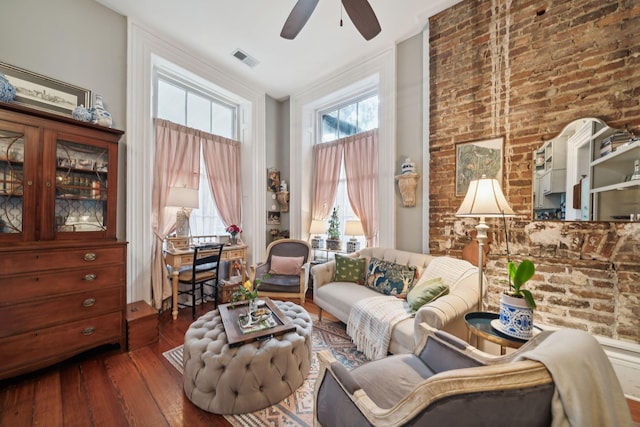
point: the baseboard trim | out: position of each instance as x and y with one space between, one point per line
625 359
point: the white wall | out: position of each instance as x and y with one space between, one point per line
78 42
409 59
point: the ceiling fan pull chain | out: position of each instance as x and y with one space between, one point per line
341 14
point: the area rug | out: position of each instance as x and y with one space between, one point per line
297 409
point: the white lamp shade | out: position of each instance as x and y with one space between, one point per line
484 198
183 197
317 227
353 228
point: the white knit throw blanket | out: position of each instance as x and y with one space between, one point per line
371 321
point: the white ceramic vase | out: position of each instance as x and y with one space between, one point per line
516 317
99 115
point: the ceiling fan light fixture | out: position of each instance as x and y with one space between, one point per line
360 12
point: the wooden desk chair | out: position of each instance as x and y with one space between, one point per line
206 262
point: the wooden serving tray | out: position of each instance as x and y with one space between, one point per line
231 312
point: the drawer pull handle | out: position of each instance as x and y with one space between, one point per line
88 331
89 277
90 256
88 302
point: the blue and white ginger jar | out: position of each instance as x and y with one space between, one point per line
7 91
99 115
82 113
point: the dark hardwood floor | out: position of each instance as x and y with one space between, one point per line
108 387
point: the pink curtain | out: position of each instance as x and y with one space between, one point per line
361 168
326 174
222 160
177 163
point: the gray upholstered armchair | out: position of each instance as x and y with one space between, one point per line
561 377
285 270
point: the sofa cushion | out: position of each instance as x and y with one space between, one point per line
350 269
286 265
389 278
426 291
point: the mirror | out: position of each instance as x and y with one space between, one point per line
589 172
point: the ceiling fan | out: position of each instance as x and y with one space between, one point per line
360 12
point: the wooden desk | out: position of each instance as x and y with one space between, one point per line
177 258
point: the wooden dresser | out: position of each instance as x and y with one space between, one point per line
62 270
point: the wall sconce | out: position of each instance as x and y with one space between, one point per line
353 228
185 199
317 228
407 182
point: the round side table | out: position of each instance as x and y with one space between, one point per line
479 324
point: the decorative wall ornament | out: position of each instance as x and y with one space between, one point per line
408 182
283 199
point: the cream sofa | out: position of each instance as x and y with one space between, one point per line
447 312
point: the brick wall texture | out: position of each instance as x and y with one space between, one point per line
553 62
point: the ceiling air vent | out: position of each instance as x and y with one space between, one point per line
244 57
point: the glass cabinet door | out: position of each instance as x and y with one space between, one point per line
81 187
11 181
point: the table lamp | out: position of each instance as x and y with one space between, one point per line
185 199
353 228
317 228
484 199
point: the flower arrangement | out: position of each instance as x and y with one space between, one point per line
246 292
233 230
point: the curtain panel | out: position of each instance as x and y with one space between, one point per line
361 166
326 174
222 161
177 163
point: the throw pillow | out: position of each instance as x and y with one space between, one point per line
389 278
426 291
349 269
286 265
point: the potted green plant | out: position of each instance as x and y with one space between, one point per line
333 233
517 304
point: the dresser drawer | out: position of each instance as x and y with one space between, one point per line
47 284
19 318
36 260
32 350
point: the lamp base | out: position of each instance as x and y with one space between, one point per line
182 223
353 245
317 243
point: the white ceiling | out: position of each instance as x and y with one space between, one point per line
214 29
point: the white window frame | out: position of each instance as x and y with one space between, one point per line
378 73
146 52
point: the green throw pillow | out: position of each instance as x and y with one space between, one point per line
425 292
349 269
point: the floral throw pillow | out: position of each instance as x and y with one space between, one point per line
390 278
350 269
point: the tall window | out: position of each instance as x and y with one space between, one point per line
181 103
354 116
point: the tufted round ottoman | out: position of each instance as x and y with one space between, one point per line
256 375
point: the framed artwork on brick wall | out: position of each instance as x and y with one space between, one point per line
477 158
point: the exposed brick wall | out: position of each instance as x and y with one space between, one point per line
577 59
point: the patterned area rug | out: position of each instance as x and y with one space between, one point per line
297 409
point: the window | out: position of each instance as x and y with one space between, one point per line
354 116
180 103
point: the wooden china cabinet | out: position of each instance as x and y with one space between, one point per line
62 270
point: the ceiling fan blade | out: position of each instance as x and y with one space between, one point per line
363 17
297 18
